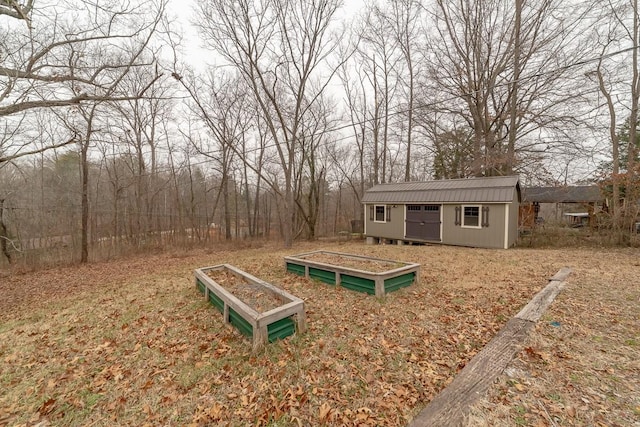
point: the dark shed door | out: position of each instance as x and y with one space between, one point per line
423 222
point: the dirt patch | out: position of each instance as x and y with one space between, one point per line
255 296
132 342
362 264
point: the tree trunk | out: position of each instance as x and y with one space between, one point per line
615 154
407 171
227 207
289 214
630 210
84 164
513 114
4 235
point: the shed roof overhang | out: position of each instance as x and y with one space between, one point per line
467 190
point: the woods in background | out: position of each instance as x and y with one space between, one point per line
112 140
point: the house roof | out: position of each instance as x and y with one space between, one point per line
497 189
568 194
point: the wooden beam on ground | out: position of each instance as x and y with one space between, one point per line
543 299
451 406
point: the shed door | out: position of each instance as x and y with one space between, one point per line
423 222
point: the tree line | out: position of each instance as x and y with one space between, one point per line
111 139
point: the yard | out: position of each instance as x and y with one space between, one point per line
132 342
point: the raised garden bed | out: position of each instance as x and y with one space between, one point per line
256 308
373 276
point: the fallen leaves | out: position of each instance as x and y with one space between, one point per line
141 347
324 412
538 354
47 407
251 294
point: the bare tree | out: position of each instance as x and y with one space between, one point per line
620 74
512 69
380 83
40 61
140 126
379 52
311 172
89 54
605 90
219 101
353 82
253 150
632 187
405 18
279 48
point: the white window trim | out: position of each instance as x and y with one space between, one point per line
462 225
375 214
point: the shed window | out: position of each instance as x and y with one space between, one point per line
471 216
380 213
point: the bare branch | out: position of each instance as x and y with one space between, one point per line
71 140
13 9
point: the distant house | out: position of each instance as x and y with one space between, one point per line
572 205
478 212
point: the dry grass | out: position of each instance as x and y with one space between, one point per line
550 236
131 342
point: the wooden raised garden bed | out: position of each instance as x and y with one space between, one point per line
373 276
256 308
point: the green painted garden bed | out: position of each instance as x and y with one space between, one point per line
275 322
360 273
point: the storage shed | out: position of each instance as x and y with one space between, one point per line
572 205
478 212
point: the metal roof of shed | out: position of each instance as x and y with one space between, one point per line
568 194
497 189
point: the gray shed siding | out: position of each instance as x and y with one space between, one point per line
452 234
485 237
386 230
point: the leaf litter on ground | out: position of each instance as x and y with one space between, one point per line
133 342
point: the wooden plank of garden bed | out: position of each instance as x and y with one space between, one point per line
451 406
